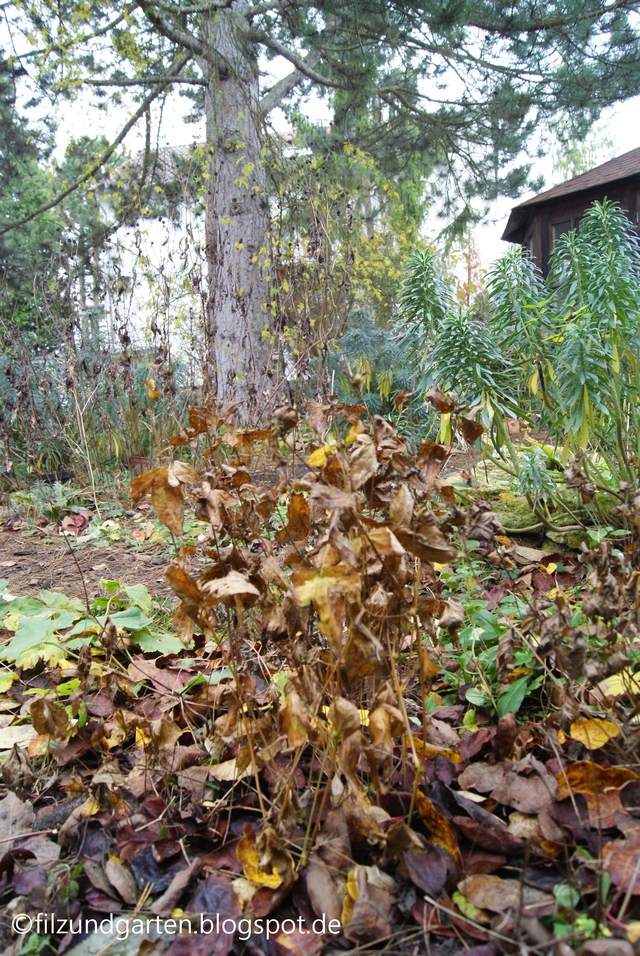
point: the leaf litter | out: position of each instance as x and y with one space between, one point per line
325 733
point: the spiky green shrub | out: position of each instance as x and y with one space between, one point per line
562 353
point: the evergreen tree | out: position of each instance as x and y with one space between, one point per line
461 84
24 187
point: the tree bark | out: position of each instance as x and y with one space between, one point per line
242 351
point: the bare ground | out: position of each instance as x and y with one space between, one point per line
34 563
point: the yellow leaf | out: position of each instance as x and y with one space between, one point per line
551 568
142 737
468 909
620 683
364 715
633 931
317 458
90 807
594 733
249 856
264 860
427 752
444 434
349 899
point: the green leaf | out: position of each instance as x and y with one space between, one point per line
155 642
199 679
511 701
22 607
566 896
131 620
60 602
33 643
281 679
488 623
68 687
469 719
138 595
475 696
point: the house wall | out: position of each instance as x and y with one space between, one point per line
539 234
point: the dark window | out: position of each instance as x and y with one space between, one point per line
560 229
529 244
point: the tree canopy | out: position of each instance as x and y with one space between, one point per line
459 87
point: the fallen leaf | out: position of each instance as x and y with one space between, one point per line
497 838
430 545
528 794
328 590
600 787
490 892
622 862
49 718
426 869
441 402
401 508
593 733
441 830
264 859
16 817
18 736
227 771
121 878
322 889
366 913
483 777
166 903
300 942
294 719
297 526
229 588
333 842
179 472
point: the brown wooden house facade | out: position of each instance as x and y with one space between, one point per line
537 223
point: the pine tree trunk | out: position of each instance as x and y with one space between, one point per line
242 355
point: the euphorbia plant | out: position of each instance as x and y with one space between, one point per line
563 351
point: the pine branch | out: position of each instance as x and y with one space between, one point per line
146 81
300 64
64 47
284 86
102 159
171 31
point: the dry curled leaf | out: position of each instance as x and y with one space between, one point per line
363 461
297 526
442 833
489 892
600 787
328 590
264 859
622 862
49 718
366 913
227 590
